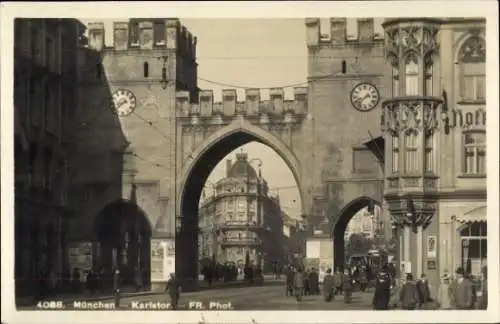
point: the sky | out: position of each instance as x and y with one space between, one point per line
254 53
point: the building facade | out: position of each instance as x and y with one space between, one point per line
241 218
365 222
435 130
45 52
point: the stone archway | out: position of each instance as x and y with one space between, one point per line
123 232
340 226
196 172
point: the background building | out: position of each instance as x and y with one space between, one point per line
45 97
365 222
241 218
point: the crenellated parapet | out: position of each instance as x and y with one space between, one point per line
276 109
338 33
144 34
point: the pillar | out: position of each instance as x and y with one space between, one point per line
420 247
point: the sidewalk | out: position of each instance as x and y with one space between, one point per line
130 292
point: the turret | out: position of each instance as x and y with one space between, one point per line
313 32
338 27
121 35
365 30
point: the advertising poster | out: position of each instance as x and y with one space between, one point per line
312 249
157 260
431 246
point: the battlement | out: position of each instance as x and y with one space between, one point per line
144 34
338 32
252 106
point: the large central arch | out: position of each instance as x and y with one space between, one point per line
195 173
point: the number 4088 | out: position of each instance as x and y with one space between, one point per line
50 305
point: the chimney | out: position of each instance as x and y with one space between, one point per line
229 164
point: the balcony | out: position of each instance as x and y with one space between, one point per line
228 225
225 241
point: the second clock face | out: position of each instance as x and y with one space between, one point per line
365 97
124 102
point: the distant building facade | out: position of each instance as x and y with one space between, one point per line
45 55
241 218
365 222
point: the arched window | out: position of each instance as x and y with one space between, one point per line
429 152
395 153
411 75
472 59
146 69
475 152
411 150
429 71
395 82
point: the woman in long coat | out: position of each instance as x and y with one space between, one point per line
444 292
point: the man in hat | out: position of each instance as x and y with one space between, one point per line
462 291
328 286
382 293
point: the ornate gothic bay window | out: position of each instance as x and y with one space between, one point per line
475 153
429 71
472 62
395 82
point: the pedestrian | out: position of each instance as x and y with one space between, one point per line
314 282
409 297
298 284
443 299
462 289
483 296
75 280
116 287
423 290
289 281
328 286
347 286
174 291
307 287
382 294
138 279
338 279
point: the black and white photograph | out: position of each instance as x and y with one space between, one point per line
194 164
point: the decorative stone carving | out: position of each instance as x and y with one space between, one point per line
473 50
410 114
419 38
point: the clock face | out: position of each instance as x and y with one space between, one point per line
364 97
123 102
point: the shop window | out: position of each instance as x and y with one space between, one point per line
411 151
395 153
472 60
411 75
474 247
475 152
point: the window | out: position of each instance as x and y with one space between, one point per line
411 149
395 153
134 33
474 246
411 73
229 204
146 69
344 67
472 59
429 152
395 82
159 33
475 153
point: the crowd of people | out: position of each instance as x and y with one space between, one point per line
455 292
229 272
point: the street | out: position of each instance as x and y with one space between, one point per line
268 297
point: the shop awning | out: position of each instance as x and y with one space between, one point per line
478 214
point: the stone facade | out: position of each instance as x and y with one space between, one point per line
241 218
44 101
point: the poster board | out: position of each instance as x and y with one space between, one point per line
80 256
162 259
431 246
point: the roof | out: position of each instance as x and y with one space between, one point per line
242 168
